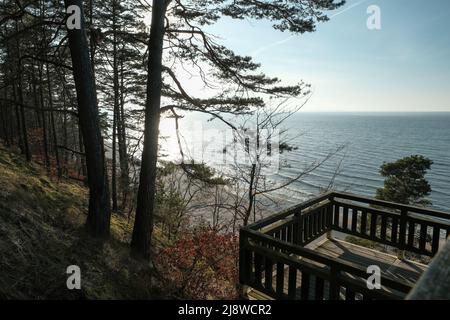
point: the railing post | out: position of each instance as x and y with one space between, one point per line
334 283
330 214
402 235
244 263
298 227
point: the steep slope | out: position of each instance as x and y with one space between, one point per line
41 234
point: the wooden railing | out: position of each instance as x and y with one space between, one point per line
403 227
273 258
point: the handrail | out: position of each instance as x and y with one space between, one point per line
288 232
398 206
348 196
283 214
343 265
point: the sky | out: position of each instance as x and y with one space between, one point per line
403 67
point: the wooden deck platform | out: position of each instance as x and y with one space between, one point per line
389 264
273 259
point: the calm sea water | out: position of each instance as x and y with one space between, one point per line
370 139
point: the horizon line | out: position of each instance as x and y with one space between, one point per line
362 111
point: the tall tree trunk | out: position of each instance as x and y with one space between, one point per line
44 120
26 147
82 155
10 122
143 225
116 108
98 221
12 75
36 98
91 38
2 117
4 113
38 107
17 115
65 135
114 162
52 120
122 139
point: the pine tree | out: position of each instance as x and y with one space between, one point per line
242 85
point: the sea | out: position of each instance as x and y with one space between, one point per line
354 146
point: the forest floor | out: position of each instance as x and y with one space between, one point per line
41 234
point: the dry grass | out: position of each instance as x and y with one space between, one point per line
41 233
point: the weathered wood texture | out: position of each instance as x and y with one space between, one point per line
305 285
276 260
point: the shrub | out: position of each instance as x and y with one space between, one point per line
200 264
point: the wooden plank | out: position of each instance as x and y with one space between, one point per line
329 210
435 241
394 230
345 218
368 237
289 234
305 286
340 264
423 236
373 225
292 282
363 222
268 274
315 223
411 233
343 251
319 289
354 219
245 259
392 205
258 295
306 229
284 234
280 279
337 210
319 221
365 257
371 209
258 269
402 232
289 211
324 218
383 227
330 213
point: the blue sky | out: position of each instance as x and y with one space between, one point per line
405 66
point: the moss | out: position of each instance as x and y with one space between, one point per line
361 242
42 233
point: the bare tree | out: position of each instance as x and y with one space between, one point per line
262 140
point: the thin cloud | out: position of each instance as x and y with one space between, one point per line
280 42
348 8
